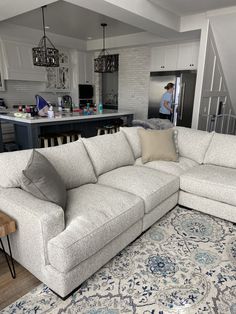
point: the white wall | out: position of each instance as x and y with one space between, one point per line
133 80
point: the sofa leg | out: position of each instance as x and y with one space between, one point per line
68 295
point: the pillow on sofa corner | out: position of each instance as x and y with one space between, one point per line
42 180
158 145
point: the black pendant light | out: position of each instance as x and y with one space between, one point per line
106 63
43 55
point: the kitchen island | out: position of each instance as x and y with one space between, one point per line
28 130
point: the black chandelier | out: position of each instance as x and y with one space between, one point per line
43 55
106 63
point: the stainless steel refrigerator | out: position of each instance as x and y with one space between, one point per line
183 96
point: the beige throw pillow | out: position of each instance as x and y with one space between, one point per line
157 145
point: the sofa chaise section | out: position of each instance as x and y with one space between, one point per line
211 187
95 215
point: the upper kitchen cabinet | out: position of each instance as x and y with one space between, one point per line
164 58
188 56
85 67
18 62
174 57
58 79
2 76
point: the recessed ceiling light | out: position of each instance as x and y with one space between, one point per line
89 38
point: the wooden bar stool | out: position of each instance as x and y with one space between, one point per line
71 136
107 129
50 140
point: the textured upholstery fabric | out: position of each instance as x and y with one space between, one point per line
109 152
208 206
11 166
222 151
64 283
152 186
41 180
159 211
157 145
95 215
214 182
132 136
71 161
37 222
171 167
193 144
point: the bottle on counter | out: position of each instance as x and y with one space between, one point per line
50 112
100 108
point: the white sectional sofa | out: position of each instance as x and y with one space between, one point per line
111 199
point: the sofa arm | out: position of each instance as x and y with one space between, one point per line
37 222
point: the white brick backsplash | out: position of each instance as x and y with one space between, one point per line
134 76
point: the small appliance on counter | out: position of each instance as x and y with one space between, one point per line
67 102
42 106
2 104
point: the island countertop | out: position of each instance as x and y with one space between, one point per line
61 117
29 130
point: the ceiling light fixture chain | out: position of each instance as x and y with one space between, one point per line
44 55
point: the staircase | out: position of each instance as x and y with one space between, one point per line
222 123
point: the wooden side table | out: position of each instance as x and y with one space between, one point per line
7 226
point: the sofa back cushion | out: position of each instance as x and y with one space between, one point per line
71 161
109 152
193 144
133 138
222 151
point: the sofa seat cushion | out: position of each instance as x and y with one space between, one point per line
171 167
95 215
151 185
214 182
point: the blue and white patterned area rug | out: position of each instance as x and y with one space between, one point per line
186 263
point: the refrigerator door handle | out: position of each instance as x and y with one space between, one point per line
182 101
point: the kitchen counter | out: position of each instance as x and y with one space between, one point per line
28 130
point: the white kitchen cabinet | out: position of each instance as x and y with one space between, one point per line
164 58
188 56
2 76
174 57
85 67
18 62
58 79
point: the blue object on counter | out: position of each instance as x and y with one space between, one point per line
41 103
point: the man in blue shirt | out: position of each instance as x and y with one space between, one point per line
166 110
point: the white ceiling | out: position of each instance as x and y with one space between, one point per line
186 7
73 21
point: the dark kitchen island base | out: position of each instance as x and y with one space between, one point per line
27 131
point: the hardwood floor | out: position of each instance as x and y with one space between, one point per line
13 289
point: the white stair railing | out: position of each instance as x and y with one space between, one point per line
222 123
